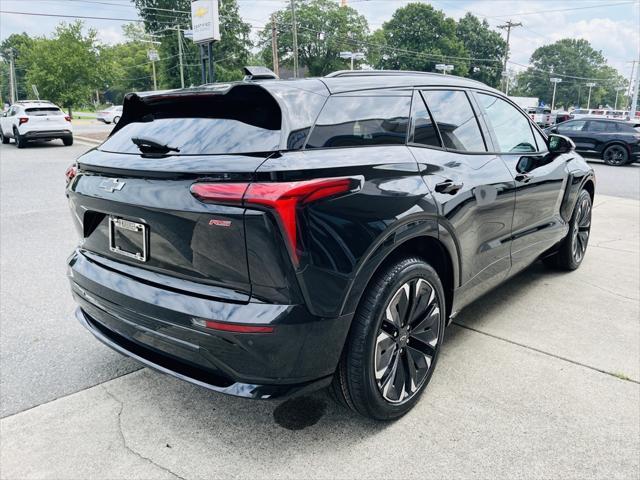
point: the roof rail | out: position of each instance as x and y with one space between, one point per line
364 73
33 101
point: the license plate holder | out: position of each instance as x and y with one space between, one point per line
128 238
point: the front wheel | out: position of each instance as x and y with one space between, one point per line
394 341
116 120
615 155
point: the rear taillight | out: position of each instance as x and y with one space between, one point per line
22 120
67 118
282 197
232 327
71 172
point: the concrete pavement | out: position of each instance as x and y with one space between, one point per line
537 379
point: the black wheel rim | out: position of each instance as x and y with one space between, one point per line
407 341
581 229
615 155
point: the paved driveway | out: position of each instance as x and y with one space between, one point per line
540 378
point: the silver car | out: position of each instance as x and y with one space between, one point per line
110 115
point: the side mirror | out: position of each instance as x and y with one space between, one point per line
560 144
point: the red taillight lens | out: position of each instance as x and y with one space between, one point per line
22 120
67 118
283 197
71 172
232 327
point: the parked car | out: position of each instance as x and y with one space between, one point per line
559 117
541 116
616 141
268 238
35 120
110 115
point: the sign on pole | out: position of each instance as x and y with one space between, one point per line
205 22
153 55
35 90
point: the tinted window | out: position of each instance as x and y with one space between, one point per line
576 126
355 121
456 121
43 111
511 128
606 127
424 131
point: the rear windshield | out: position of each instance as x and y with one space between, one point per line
43 111
245 120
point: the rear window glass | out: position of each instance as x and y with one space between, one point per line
358 121
43 111
244 120
455 119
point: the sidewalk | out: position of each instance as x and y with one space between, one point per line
538 379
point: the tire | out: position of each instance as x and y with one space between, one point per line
4 139
21 142
574 247
388 361
615 155
116 120
68 141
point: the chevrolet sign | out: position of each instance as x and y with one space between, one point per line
204 21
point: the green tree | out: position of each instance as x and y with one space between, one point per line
230 54
19 44
67 67
485 46
324 30
419 37
577 63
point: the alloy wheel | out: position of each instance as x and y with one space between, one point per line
615 155
581 229
407 341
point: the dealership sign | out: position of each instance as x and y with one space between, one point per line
204 21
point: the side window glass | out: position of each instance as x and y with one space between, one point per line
540 141
511 128
573 126
361 120
596 126
424 130
456 121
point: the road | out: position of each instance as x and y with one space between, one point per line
537 379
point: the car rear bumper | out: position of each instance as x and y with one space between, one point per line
154 325
45 134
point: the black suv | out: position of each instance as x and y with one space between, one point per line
268 238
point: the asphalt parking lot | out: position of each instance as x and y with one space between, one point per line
540 378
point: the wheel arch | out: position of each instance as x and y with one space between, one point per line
615 142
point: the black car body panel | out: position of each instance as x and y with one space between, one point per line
280 283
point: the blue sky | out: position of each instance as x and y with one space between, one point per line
611 26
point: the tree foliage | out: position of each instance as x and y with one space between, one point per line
485 46
19 44
420 37
324 30
577 63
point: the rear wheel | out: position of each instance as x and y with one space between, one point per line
116 120
574 246
68 141
4 139
394 341
615 155
21 142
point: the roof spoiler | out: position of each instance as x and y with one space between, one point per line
259 73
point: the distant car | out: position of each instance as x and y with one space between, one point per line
35 120
110 115
560 117
541 116
616 141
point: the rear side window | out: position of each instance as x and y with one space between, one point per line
43 111
456 121
511 129
424 130
601 127
358 121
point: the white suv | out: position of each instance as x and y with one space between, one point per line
35 120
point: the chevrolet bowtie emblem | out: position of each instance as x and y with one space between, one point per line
112 185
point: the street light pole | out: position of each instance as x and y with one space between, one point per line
634 101
444 68
352 56
555 82
590 85
180 55
295 39
618 89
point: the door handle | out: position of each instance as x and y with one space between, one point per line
448 186
523 177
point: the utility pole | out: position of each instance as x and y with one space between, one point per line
295 38
618 89
274 44
509 25
633 66
634 101
555 82
12 78
590 85
180 55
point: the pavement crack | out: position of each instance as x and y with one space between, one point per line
610 291
124 439
618 376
